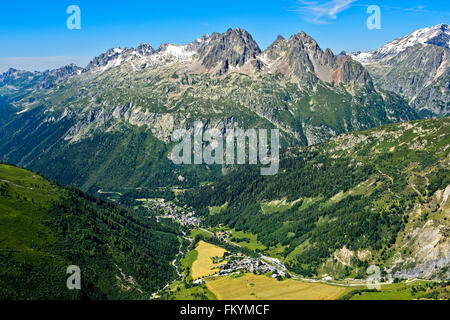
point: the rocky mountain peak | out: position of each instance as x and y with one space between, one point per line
8 73
278 48
145 49
234 48
302 58
196 44
113 54
64 72
437 36
38 80
414 67
12 74
116 56
302 41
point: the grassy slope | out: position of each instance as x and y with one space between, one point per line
203 265
403 291
27 270
183 289
254 287
45 228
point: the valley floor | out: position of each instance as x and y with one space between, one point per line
260 287
208 271
205 260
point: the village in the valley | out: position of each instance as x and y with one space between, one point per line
169 210
238 263
229 264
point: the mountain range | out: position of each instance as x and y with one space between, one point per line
417 67
99 117
363 176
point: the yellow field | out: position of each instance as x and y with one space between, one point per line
204 266
254 287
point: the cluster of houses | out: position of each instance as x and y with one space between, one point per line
275 262
242 263
174 212
223 235
186 219
234 263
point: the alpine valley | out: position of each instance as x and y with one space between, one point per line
113 120
363 177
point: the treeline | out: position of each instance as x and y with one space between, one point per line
223 244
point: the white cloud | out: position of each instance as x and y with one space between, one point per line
322 12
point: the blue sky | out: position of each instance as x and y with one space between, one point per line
34 35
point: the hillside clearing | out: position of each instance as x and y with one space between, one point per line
204 266
254 287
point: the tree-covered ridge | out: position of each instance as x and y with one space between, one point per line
45 228
357 199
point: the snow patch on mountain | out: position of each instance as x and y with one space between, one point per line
178 52
438 35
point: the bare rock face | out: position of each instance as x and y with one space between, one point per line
302 57
277 49
421 74
289 86
231 49
351 70
197 44
441 36
417 67
104 58
145 50
115 56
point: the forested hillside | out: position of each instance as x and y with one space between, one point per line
44 228
374 197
